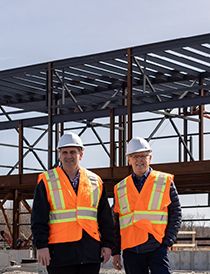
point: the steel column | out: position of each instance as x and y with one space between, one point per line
129 92
49 105
56 131
112 138
201 112
15 218
20 172
124 133
120 138
20 150
185 134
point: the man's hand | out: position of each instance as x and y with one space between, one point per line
117 262
106 254
43 256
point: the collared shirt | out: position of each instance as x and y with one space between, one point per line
139 182
75 181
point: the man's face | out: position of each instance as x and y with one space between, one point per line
140 162
70 157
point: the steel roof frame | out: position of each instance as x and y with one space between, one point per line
157 78
76 80
163 75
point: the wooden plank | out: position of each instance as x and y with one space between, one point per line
184 245
187 232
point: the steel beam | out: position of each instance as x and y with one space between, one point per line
201 113
49 106
129 92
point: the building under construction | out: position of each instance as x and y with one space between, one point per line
111 94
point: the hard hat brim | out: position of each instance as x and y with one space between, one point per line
74 145
139 150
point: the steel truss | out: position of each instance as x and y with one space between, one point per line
154 78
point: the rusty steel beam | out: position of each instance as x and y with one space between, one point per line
27 206
129 92
185 134
190 177
20 148
49 105
15 218
201 113
124 133
7 197
120 148
7 222
112 138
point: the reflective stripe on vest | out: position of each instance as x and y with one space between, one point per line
55 189
62 216
87 213
95 193
157 191
59 214
154 217
70 215
123 197
155 201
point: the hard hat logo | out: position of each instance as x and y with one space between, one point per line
70 139
138 144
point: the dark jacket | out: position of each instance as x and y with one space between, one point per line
173 226
86 250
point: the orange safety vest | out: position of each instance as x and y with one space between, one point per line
144 212
70 213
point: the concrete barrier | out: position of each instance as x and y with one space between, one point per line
179 260
190 260
13 255
184 260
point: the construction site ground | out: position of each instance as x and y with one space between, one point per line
34 268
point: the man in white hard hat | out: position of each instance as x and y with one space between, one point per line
71 218
147 214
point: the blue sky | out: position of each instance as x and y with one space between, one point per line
39 31
46 30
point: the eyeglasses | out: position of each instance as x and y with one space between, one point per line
141 157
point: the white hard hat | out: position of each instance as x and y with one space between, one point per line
70 139
137 144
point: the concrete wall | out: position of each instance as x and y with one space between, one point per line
189 260
180 260
13 255
184 260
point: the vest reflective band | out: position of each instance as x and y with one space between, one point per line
87 213
153 216
62 216
123 198
71 215
55 189
157 191
59 214
154 204
95 193
155 198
